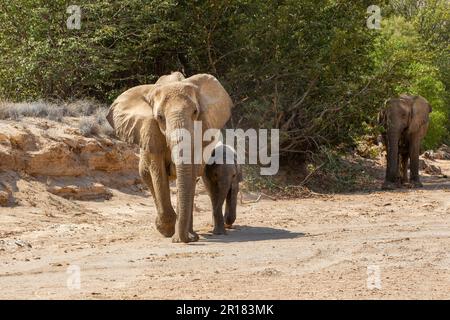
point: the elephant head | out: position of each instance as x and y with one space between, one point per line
405 120
173 77
152 116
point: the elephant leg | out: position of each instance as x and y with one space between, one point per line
404 168
414 150
156 177
217 199
230 205
192 234
219 224
145 175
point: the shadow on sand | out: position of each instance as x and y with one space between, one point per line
247 233
429 183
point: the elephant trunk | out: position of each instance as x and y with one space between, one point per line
392 161
185 198
181 144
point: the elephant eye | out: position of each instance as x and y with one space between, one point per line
160 117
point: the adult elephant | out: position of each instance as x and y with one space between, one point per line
152 116
405 120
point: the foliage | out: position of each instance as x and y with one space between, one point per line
308 67
406 63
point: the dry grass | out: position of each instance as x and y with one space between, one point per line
50 110
92 114
95 124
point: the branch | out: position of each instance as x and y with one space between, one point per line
311 84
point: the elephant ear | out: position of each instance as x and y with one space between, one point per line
131 116
215 103
420 110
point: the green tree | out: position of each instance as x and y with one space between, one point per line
310 68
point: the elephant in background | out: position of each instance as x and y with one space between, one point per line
405 120
151 116
221 180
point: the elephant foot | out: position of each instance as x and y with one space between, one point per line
193 235
387 185
219 230
189 237
166 228
416 184
229 221
229 226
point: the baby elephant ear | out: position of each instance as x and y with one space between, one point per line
131 117
215 103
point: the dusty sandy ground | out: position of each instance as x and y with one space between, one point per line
322 247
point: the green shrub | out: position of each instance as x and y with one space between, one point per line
407 65
437 130
310 68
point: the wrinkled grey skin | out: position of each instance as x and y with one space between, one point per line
405 120
222 183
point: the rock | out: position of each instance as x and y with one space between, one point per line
429 154
71 166
110 159
5 195
22 243
433 170
443 153
422 164
57 151
55 159
429 168
23 140
81 192
4 198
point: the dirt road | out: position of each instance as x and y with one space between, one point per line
370 245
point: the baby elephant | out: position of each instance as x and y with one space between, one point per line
221 179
